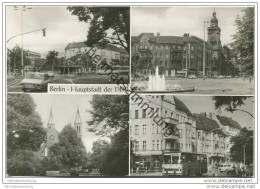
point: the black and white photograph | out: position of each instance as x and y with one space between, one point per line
191 136
66 45
67 135
192 49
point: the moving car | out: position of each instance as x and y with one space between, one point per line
36 81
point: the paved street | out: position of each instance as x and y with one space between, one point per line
13 83
238 86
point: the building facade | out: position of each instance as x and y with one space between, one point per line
150 141
77 58
200 134
179 55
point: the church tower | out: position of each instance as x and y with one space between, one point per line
78 124
214 41
50 123
52 136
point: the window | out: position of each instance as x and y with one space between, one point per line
144 113
180 131
136 130
181 146
144 129
144 145
161 145
136 114
172 114
158 129
153 145
165 113
136 146
153 128
158 145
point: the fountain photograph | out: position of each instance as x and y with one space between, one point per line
202 55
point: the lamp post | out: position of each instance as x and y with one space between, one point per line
22 9
204 49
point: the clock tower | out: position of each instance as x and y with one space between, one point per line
214 41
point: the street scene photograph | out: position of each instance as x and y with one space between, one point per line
65 45
67 135
191 49
191 136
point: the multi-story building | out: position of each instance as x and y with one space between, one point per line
210 139
179 55
151 141
171 128
109 53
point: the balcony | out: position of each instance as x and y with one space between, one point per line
171 145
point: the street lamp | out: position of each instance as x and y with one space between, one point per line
204 49
22 9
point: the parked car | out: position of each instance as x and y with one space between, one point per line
221 77
36 81
225 167
192 77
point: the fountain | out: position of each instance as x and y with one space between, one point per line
156 82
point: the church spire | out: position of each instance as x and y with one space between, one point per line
50 123
78 123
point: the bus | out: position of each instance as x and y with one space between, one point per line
184 164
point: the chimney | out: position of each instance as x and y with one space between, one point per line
158 34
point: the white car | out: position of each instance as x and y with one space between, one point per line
192 77
36 81
225 167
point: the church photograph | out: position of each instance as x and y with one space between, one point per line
190 49
67 135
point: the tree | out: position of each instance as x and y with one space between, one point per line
24 163
14 59
25 134
116 158
110 114
69 153
51 60
244 40
108 25
241 142
231 103
97 157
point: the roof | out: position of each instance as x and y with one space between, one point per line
169 39
110 47
181 106
205 123
227 121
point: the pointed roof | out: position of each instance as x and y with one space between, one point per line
51 120
77 118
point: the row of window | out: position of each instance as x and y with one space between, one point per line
177 116
158 145
156 129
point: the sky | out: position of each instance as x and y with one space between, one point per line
64 108
179 20
199 104
62 28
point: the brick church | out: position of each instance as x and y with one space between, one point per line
52 135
